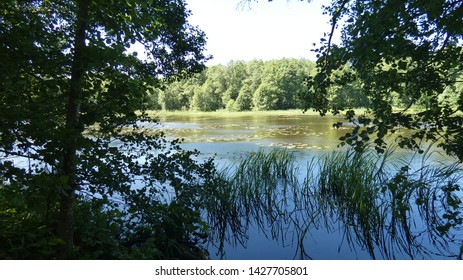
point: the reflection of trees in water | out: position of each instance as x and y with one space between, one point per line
381 206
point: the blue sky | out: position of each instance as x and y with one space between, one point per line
268 30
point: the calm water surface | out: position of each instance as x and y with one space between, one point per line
229 138
302 132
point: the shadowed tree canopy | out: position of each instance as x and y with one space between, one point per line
69 88
411 49
408 50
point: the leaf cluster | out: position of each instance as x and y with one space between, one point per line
410 50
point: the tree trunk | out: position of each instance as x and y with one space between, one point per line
65 228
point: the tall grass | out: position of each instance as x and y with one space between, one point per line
377 201
348 188
389 209
261 190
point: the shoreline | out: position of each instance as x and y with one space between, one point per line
224 113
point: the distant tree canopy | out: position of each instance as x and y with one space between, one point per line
254 85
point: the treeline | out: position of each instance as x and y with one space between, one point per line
242 86
266 85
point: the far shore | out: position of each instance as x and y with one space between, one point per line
224 113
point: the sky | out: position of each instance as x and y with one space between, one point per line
265 30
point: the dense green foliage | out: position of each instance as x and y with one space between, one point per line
411 50
238 86
271 85
79 179
244 86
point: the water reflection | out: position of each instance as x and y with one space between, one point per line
378 209
296 132
310 203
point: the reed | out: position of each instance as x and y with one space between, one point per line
378 201
348 189
262 190
386 207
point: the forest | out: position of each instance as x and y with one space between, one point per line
269 85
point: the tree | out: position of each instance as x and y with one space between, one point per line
233 87
282 81
66 73
244 100
266 97
235 75
398 50
209 97
171 98
348 95
409 49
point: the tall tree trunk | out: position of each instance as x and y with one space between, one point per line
66 217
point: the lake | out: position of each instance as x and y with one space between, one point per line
230 137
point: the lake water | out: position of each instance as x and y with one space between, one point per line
229 138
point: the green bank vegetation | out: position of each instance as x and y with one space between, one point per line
155 114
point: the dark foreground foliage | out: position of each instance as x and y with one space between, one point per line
78 177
